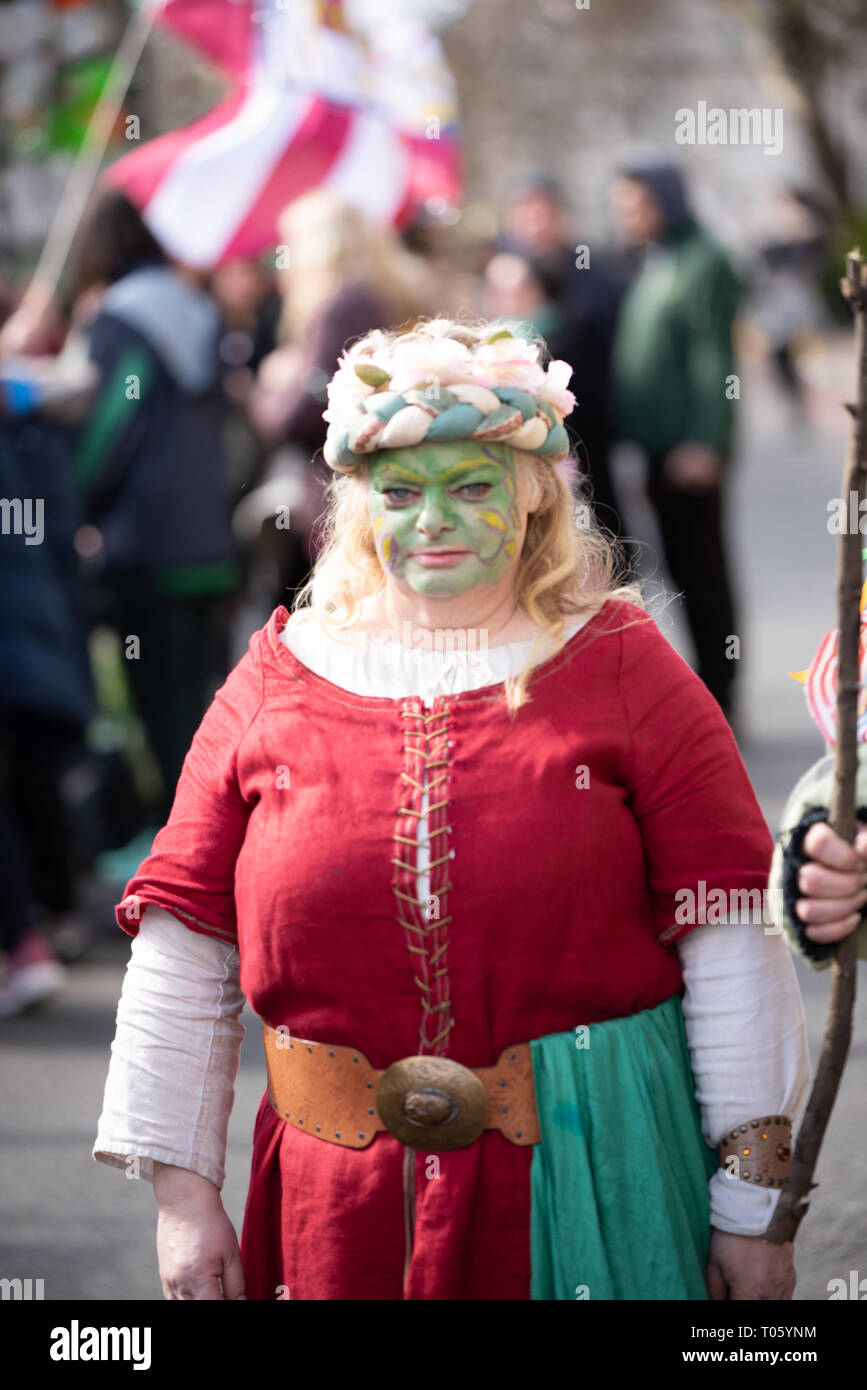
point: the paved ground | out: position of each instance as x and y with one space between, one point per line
88 1231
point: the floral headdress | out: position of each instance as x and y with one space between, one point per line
393 393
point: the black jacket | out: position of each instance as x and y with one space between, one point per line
151 462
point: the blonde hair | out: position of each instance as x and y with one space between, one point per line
568 565
332 243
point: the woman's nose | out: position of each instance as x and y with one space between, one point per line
432 518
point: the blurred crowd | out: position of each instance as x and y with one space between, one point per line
161 478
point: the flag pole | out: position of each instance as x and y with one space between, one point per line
86 165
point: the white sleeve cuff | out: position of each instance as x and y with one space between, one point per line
739 1208
174 1059
748 1044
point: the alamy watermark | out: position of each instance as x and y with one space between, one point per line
22 1289
847 516
736 126
442 643
733 906
77 1343
23 516
443 640
854 1288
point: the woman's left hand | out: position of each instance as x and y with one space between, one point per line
747 1267
834 884
693 467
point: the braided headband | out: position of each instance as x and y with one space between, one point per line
502 394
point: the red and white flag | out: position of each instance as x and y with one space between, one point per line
355 97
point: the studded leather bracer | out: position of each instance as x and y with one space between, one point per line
758 1151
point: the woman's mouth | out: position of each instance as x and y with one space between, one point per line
438 559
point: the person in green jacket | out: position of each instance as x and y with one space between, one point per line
675 387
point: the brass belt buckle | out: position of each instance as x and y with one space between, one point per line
432 1103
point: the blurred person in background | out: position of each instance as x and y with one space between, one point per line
518 289
454 247
249 307
341 276
585 287
792 237
32 324
151 467
8 301
673 367
46 700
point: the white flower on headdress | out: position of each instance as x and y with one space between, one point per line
346 390
418 364
555 387
509 362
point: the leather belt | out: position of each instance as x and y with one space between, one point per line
429 1103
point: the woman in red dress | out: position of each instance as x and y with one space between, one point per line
450 829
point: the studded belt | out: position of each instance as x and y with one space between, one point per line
429 1103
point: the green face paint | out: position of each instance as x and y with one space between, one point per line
445 516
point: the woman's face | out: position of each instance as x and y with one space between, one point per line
447 517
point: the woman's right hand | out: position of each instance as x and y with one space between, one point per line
197 1249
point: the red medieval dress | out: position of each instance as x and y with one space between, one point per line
569 828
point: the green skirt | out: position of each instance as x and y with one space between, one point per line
619 1199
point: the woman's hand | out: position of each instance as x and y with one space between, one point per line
693 467
834 886
197 1248
747 1267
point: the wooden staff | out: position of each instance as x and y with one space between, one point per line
795 1195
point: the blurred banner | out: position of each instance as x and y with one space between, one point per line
357 98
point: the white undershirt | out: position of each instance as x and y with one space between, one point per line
175 1055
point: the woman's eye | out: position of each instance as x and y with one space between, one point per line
397 496
472 492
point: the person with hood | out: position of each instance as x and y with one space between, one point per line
152 467
673 368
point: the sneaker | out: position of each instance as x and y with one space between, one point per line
32 973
